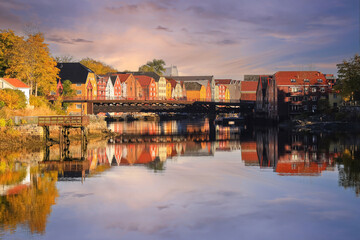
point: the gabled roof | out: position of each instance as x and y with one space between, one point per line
172 82
153 75
122 76
192 86
249 86
75 72
15 83
144 80
297 78
113 79
222 81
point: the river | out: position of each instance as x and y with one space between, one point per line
167 180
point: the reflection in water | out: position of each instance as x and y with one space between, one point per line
28 192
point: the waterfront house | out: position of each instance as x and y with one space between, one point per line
170 86
266 98
109 87
117 86
300 91
161 88
248 90
206 81
101 86
290 93
148 85
83 81
193 90
178 91
131 89
222 92
335 98
16 84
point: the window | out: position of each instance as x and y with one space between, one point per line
78 106
313 89
335 95
78 92
314 98
78 84
320 80
322 89
306 80
292 80
306 89
314 107
305 107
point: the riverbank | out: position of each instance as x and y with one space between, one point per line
29 137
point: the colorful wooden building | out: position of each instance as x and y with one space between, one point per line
83 81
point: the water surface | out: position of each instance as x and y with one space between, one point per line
248 184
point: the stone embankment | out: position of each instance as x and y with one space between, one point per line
30 136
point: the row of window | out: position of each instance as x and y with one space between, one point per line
299 107
307 80
303 98
313 89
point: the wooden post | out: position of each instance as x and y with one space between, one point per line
61 142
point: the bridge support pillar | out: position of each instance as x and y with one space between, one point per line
212 117
90 108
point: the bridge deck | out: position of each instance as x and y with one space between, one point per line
68 121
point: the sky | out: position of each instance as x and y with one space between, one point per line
227 38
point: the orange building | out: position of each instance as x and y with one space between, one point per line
193 91
148 85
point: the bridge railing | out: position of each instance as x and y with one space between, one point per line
73 121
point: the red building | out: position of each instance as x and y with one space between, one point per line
248 90
148 86
101 86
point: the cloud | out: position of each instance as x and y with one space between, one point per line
161 28
64 40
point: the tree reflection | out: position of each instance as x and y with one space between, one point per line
349 170
29 205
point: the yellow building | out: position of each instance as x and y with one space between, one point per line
83 82
227 95
203 93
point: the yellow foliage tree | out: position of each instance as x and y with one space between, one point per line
98 67
29 60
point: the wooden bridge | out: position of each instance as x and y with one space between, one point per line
64 123
95 106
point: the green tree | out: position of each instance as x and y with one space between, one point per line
156 65
7 41
98 67
349 78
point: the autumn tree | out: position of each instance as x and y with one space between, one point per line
349 78
98 67
29 60
7 42
156 65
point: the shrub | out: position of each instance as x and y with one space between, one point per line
13 99
39 101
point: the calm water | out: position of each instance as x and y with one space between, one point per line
248 184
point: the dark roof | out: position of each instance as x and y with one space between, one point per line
254 77
222 81
190 78
113 79
192 86
75 72
149 74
